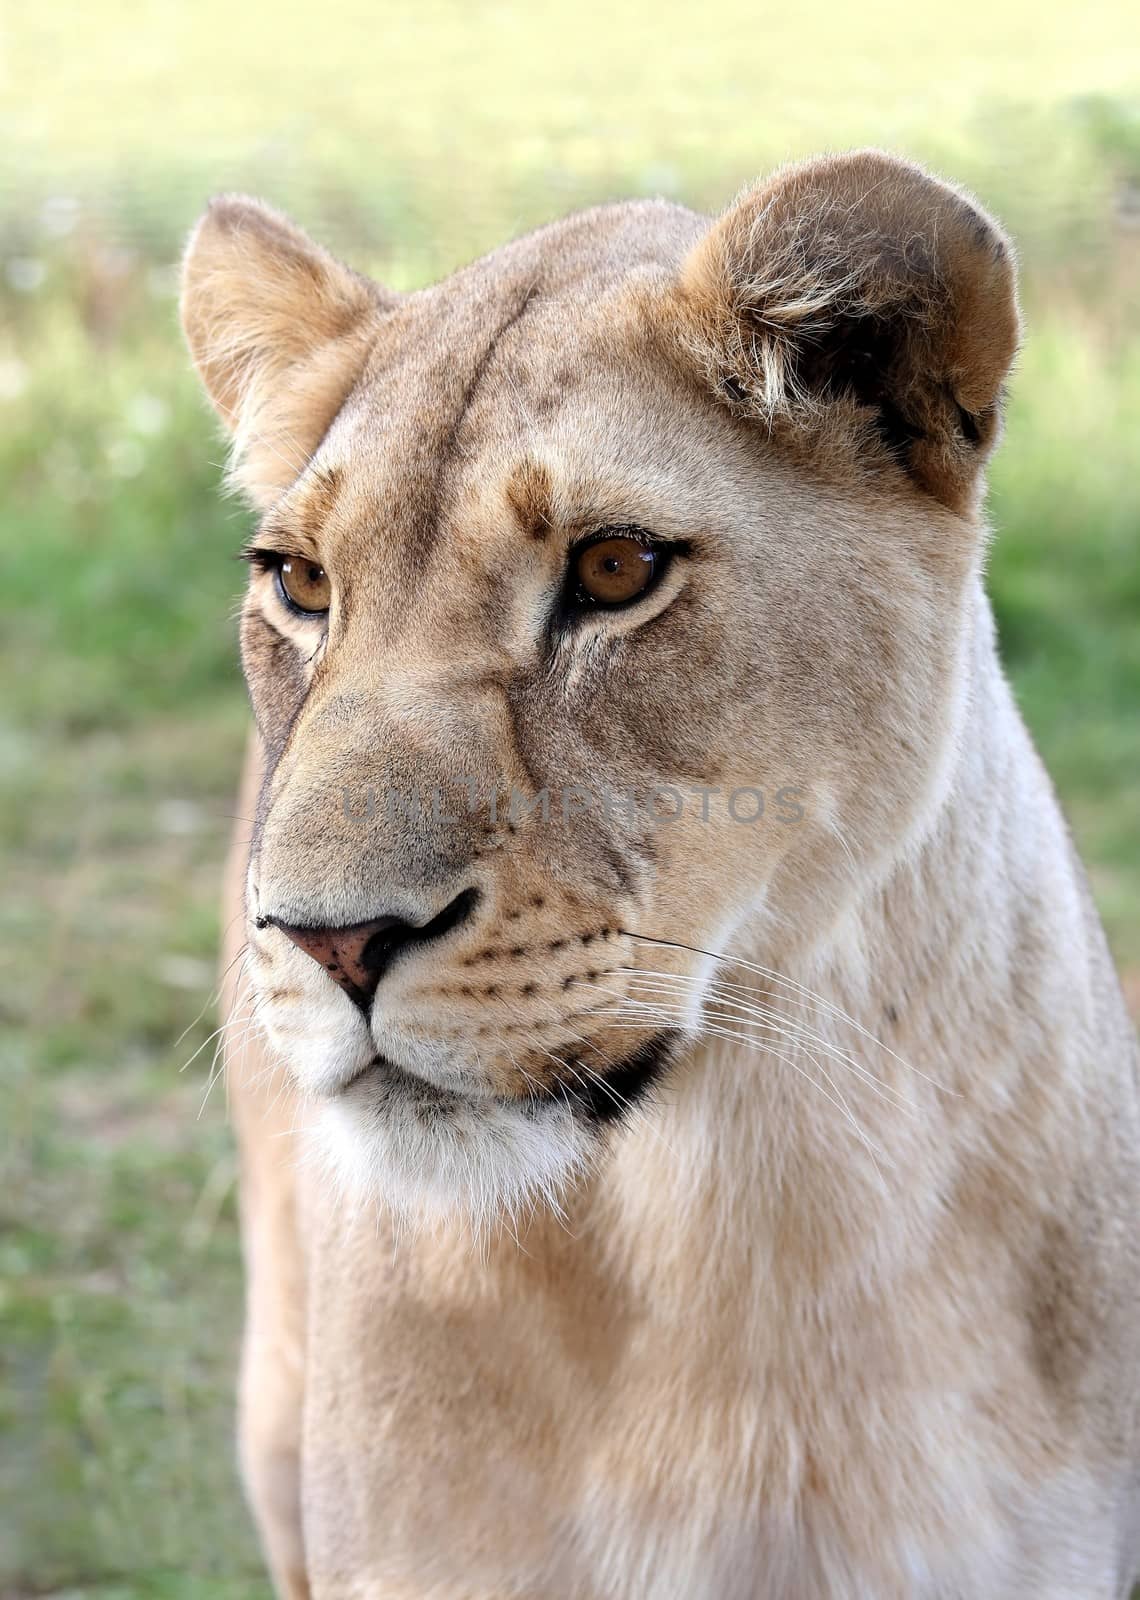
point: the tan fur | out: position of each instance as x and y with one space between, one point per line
845 1302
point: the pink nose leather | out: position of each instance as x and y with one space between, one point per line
358 956
354 957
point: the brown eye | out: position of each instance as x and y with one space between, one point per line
304 585
613 571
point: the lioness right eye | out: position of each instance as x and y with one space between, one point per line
304 585
615 571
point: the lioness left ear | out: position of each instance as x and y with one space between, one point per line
859 296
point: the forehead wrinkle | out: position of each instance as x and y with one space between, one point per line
482 365
450 445
400 434
402 438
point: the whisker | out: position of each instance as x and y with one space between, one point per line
779 1023
215 994
227 1047
810 994
836 1098
663 1016
627 1105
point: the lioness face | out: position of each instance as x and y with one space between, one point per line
610 600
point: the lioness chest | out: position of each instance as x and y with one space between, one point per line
467 1435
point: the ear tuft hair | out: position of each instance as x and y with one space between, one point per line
279 330
859 288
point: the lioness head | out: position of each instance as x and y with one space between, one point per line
610 598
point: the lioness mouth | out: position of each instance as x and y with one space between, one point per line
401 1079
597 1095
377 1064
606 1095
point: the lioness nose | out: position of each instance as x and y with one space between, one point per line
358 956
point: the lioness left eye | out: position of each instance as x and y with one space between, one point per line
615 569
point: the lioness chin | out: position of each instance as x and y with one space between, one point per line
712 1200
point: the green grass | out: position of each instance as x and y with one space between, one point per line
122 715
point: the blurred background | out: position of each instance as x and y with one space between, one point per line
409 138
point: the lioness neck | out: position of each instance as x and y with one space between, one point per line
816 1136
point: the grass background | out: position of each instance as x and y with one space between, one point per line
409 138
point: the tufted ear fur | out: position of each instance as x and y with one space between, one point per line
859 299
279 331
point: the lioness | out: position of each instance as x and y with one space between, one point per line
702 1201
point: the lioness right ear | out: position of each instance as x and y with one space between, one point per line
859 298
279 331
